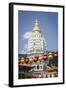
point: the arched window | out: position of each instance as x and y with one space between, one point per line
37 66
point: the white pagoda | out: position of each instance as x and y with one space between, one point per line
36 42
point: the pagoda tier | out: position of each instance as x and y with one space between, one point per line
36 42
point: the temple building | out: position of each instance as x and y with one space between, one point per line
36 42
36 47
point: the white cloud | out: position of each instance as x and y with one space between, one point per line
27 35
25 46
23 52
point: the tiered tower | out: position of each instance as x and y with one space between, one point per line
36 43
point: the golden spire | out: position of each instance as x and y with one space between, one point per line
36 26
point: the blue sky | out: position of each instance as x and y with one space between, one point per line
48 23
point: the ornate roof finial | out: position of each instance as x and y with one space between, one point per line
36 26
36 22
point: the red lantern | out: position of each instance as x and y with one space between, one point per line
35 58
55 55
45 57
40 58
26 60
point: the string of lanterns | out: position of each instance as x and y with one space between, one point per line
40 58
